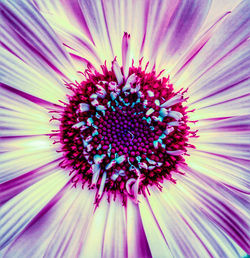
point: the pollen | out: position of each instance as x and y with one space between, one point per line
121 134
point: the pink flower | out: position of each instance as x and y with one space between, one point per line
147 103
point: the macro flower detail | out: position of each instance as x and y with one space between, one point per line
124 128
122 132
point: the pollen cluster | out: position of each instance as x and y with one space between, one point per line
120 135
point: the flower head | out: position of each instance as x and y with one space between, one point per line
121 133
124 128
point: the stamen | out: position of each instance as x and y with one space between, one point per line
124 130
84 107
176 115
126 53
117 71
173 101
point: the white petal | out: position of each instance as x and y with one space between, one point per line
20 210
230 35
115 235
226 81
117 70
21 115
230 172
71 231
95 19
84 107
157 242
172 101
126 54
174 210
176 115
19 183
93 243
21 78
25 155
225 213
28 36
52 214
137 243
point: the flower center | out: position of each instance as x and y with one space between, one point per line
120 135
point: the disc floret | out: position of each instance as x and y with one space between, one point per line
122 134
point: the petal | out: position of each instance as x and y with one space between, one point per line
16 214
228 176
19 78
71 231
68 11
158 243
104 23
233 106
224 151
21 115
218 8
224 213
121 17
230 145
31 154
108 20
93 242
126 54
230 35
37 43
52 214
114 239
180 33
171 28
137 242
224 140
178 215
218 12
226 80
22 179
67 20
232 173
94 16
82 28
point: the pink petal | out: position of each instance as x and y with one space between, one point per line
71 232
24 156
179 214
126 54
223 212
17 213
23 80
137 242
115 235
93 244
232 33
37 43
52 214
184 24
178 28
18 184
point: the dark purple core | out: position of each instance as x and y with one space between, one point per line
120 135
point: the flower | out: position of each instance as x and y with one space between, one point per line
180 67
